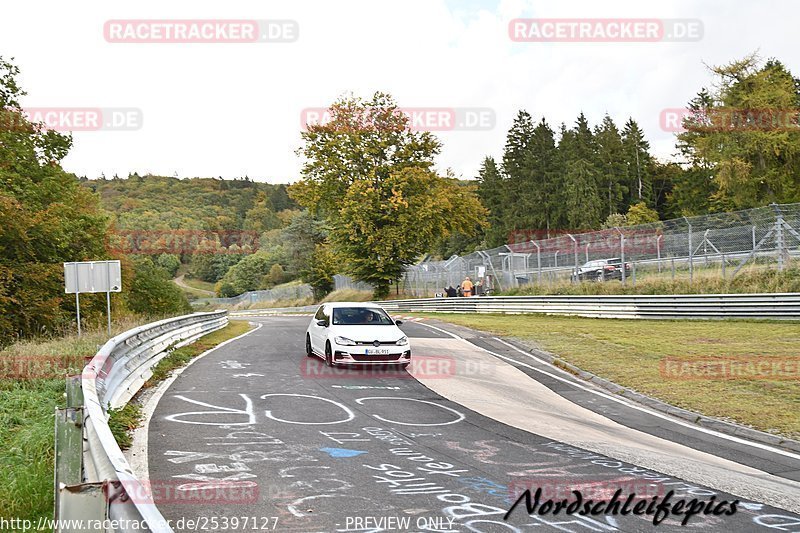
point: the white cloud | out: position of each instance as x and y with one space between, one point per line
234 109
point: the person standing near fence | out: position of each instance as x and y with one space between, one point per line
467 286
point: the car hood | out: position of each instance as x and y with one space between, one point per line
368 333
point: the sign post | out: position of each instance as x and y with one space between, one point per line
92 277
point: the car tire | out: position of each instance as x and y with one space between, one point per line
329 356
309 351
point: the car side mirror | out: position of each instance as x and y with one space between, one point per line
398 322
322 323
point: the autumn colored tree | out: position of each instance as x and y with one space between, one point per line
46 218
371 177
745 131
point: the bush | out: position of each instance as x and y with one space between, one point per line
320 270
276 276
153 293
247 274
225 290
169 262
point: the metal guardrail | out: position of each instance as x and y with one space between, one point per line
93 480
778 306
304 310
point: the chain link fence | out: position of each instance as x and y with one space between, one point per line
712 245
292 292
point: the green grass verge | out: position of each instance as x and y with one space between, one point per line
706 281
123 421
631 352
27 409
180 357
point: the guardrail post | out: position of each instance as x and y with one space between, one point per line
72 497
68 449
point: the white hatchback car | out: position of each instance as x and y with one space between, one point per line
356 334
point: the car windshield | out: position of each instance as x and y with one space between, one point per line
360 316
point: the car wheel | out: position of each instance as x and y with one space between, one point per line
309 351
329 355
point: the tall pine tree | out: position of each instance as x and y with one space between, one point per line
494 197
638 164
611 166
582 200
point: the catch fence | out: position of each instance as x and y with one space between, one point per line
720 244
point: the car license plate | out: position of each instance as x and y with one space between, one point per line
377 351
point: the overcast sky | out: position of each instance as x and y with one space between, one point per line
235 109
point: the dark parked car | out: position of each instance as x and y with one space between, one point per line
602 270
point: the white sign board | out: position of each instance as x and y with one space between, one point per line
92 276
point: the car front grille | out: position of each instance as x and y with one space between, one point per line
375 358
372 343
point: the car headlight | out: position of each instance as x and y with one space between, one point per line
402 341
344 341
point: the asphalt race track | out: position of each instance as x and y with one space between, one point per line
255 436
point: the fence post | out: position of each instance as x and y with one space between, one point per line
658 251
779 236
538 261
575 249
691 252
622 253
723 266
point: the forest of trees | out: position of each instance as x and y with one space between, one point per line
240 234
738 150
582 177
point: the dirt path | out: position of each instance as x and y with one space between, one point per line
182 284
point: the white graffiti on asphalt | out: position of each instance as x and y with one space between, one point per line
217 411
